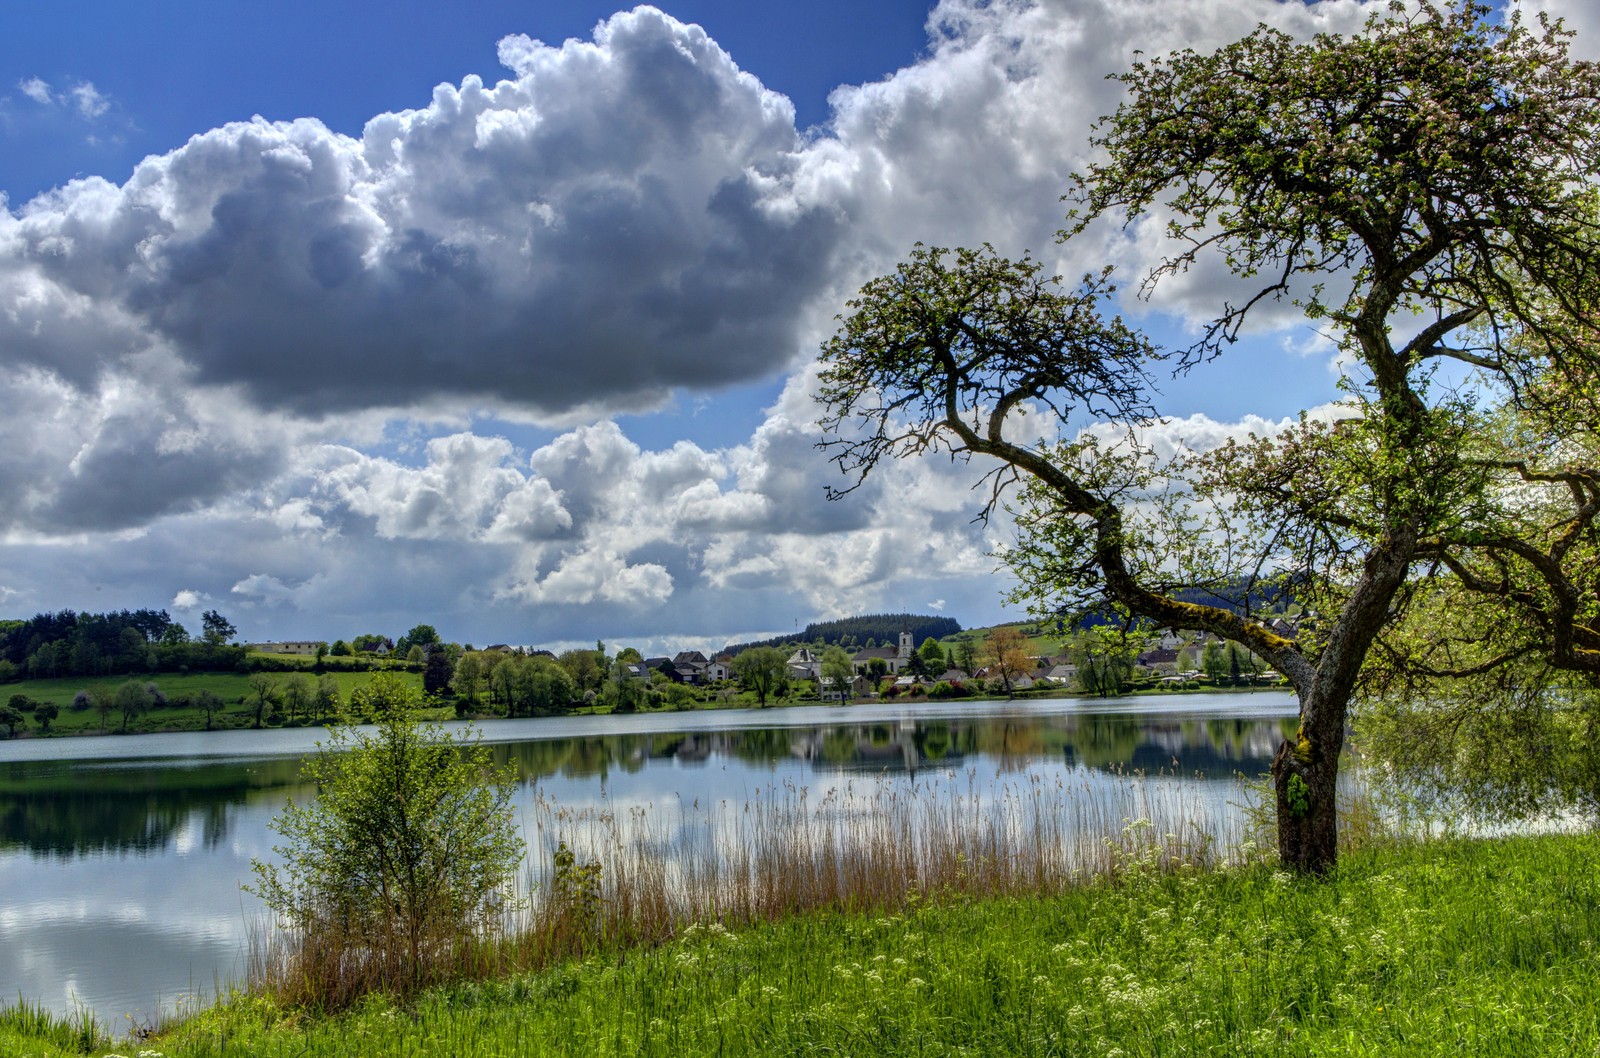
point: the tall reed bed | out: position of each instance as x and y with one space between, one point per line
327 967
608 876
786 849
605 876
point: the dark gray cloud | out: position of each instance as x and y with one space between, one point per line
591 233
127 477
120 457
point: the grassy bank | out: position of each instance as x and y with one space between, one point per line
1484 948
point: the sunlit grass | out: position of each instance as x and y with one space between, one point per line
1483 948
29 1030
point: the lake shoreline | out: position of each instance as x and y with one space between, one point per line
195 724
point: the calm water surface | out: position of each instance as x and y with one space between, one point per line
121 858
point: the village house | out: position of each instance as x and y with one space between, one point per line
298 646
805 665
693 667
1162 661
859 687
1062 673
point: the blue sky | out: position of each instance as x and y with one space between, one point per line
170 69
343 317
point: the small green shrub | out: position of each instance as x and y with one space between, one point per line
403 862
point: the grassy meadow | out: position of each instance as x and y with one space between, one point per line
1484 947
232 687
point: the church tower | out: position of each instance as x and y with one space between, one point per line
905 644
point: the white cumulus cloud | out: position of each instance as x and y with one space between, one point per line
36 89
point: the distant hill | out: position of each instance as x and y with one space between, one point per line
854 632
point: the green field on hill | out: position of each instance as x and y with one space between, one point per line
1038 641
232 687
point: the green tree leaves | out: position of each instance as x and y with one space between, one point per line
763 670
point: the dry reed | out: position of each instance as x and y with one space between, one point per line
607 877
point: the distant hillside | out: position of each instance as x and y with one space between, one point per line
854 632
1040 637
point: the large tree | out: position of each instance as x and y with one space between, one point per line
437 671
469 675
838 673
1425 193
264 689
764 670
218 630
209 705
1106 658
297 693
588 668
1006 655
424 636
133 699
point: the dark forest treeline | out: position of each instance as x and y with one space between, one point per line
881 628
67 643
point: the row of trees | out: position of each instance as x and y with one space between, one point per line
68 643
538 684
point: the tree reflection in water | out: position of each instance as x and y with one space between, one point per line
68 809
64 810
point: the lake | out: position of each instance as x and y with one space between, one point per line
121 858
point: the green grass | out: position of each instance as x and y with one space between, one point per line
1482 948
30 1031
232 687
303 660
1037 641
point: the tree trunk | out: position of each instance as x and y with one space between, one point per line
1305 777
1308 815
